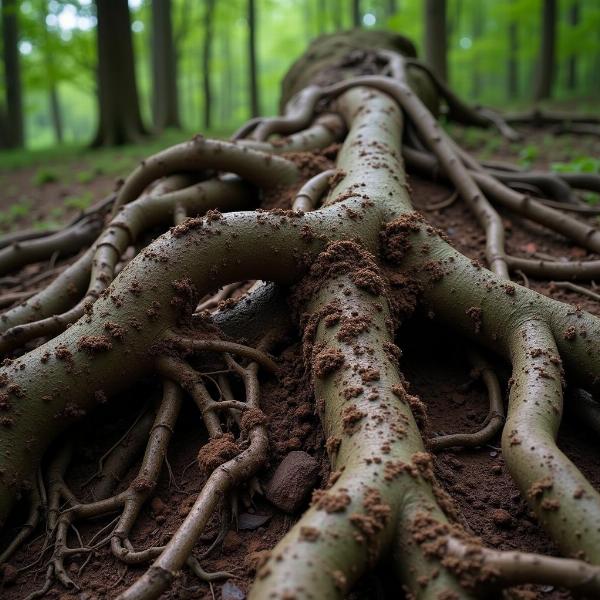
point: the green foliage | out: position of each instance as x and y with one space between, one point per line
582 164
58 46
80 202
527 155
46 175
15 212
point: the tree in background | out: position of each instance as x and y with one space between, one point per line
51 76
165 97
209 9
478 20
546 62
11 125
120 121
254 96
512 79
436 39
391 8
574 13
356 13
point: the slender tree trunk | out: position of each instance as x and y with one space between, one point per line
478 21
391 8
14 135
165 101
547 60
436 40
120 121
53 99
308 23
356 13
337 15
254 94
206 62
574 11
55 113
226 79
321 15
513 62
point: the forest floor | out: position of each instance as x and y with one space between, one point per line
433 361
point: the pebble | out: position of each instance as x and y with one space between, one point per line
501 518
292 482
230 591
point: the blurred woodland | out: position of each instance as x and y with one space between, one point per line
112 71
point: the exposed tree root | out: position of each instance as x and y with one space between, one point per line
360 260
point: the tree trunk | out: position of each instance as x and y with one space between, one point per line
391 8
512 82
574 11
478 21
546 61
254 97
12 74
356 13
206 60
164 67
53 99
120 121
436 41
338 22
225 103
55 113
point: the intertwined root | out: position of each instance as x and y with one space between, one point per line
361 260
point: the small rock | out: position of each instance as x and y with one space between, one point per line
292 482
9 574
230 591
501 518
157 506
73 568
496 469
250 522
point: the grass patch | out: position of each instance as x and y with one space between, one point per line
45 175
80 202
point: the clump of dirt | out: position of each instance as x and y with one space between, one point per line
327 361
330 502
217 451
94 344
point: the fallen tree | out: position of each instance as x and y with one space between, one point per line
353 260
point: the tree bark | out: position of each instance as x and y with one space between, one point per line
391 8
478 21
574 11
120 121
226 103
547 59
436 39
14 135
53 99
165 105
512 82
206 62
254 95
356 13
